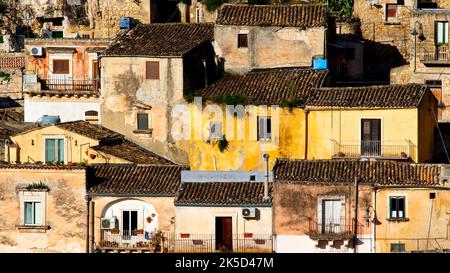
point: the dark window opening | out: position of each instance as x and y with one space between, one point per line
397 207
142 121
61 67
152 70
397 247
242 41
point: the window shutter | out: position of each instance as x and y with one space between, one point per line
60 150
242 40
391 11
142 121
61 67
37 213
50 150
152 70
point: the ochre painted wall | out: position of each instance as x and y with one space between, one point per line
65 211
32 147
427 224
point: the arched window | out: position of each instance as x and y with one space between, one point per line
91 116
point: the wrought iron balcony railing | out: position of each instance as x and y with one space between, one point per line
55 84
441 54
376 149
333 229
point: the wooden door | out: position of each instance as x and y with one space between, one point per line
370 137
224 233
95 78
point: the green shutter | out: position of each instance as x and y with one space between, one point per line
61 150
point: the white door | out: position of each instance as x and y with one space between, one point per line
331 216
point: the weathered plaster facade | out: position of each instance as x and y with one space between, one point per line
268 46
64 210
297 209
426 223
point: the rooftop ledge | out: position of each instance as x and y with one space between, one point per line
431 11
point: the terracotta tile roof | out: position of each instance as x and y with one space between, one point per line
41 166
302 16
161 180
130 151
87 129
273 86
223 194
345 171
382 96
170 39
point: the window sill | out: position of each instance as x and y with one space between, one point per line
394 23
143 132
398 219
32 229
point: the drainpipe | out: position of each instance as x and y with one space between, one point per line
266 177
206 72
355 227
91 225
306 111
88 200
374 217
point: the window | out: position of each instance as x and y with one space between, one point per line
152 70
215 130
142 121
391 12
198 15
86 36
54 150
397 207
33 213
61 67
129 222
242 41
441 33
397 247
264 128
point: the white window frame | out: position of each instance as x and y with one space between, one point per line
64 146
439 39
33 196
60 56
266 135
404 207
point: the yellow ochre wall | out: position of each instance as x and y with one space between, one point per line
29 151
247 155
427 224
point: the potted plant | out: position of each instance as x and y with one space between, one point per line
115 231
149 219
138 231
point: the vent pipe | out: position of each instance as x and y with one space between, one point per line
266 177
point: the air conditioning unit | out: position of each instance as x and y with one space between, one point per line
108 223
249 213
36 51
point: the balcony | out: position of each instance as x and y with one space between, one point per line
373 149
438 57
333 229
69 84
121 241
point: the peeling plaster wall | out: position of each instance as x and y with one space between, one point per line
268 47
65 211
295 204
428 220
126 92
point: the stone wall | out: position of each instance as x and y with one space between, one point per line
65 211
268 47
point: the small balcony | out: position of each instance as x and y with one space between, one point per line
126 241
373 149
69 84
438 57
333 229
137 241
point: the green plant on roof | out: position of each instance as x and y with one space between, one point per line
341 8
189 96
222 143
291 103
233 99
84 163
5 77
39 185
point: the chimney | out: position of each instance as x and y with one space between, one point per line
266 177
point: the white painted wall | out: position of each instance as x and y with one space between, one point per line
304 244
67 110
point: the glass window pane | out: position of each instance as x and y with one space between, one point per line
60 150
28 206
37 213
50 155
446 32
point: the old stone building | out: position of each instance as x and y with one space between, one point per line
267 36
62 79
428 61
137 202
149 70
42 208
76 142
196 12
